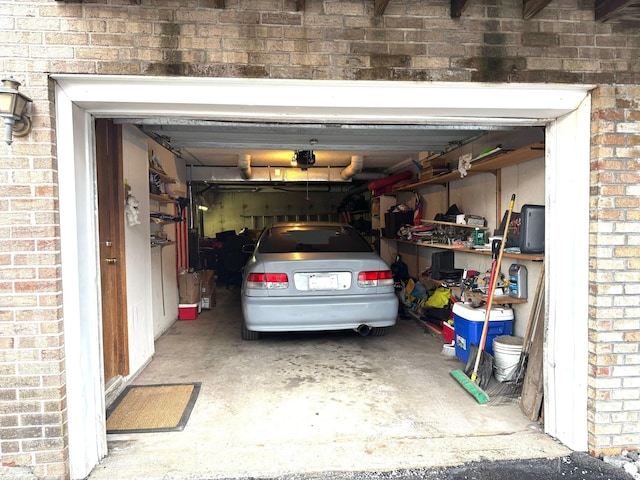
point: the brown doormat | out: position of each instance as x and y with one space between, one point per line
152 408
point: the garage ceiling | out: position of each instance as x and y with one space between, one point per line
220 144
219 151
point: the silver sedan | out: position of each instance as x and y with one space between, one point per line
311 276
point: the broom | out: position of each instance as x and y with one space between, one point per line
469 383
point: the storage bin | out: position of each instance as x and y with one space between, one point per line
469 321
188 311
447 332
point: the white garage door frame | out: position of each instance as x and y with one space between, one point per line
563 109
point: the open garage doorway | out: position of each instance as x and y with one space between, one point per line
564 110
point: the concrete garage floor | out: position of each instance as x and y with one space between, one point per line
321 402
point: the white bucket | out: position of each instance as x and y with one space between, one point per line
506 356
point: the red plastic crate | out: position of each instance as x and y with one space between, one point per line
447 333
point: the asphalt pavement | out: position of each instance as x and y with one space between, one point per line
576 466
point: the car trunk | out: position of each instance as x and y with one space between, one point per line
312 274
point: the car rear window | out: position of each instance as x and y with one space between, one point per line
323 238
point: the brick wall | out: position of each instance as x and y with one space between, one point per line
32 393
332 39
614 323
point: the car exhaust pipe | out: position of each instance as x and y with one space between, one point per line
363 330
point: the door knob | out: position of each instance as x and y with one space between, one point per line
110 260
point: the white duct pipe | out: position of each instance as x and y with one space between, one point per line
357 162
244 165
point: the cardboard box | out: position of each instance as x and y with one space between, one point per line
189 288
207 281
426 173
207 288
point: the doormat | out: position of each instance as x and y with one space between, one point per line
152 408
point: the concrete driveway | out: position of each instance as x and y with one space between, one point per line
304 404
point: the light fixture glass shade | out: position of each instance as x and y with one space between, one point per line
20 104
6 102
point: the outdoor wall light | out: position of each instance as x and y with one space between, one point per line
12 108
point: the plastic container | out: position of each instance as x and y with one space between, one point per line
448 350
506 357
469 321
447 332
517 281
188 311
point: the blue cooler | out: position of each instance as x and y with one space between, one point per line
468 323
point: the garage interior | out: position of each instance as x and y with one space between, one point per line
242 176
333 401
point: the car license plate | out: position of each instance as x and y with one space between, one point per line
320 281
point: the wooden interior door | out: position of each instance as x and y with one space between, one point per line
111 202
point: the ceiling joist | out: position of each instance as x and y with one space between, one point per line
379 6
531 8
605 9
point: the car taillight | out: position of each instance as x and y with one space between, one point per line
268 281
378 278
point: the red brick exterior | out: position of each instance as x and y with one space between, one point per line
614 317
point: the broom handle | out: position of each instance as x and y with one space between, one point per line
492 286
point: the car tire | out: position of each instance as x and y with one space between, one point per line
249 334
379 331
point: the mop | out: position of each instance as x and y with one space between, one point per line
469 383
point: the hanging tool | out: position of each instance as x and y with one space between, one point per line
469 383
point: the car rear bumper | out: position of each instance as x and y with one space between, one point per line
282 314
